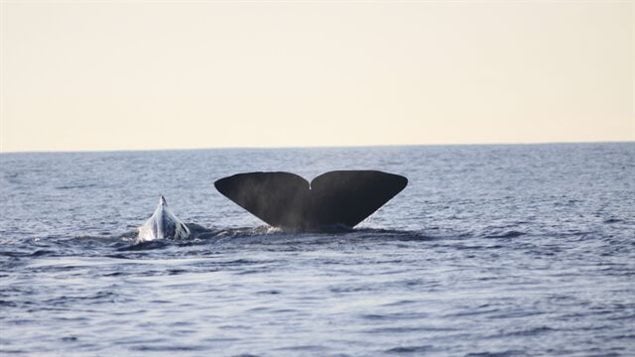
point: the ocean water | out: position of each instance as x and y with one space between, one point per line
519 250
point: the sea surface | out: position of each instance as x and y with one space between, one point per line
501 250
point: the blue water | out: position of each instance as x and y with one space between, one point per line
490 251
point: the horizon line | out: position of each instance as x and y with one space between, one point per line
2 152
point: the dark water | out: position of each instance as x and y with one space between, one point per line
489 251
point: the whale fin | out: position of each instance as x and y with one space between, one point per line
163 224
286 200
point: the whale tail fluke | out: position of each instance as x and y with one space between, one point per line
336 198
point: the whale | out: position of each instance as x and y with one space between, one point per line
334 199
163 224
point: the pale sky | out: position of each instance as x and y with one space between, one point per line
126 75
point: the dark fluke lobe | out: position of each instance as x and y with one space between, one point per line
286 200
